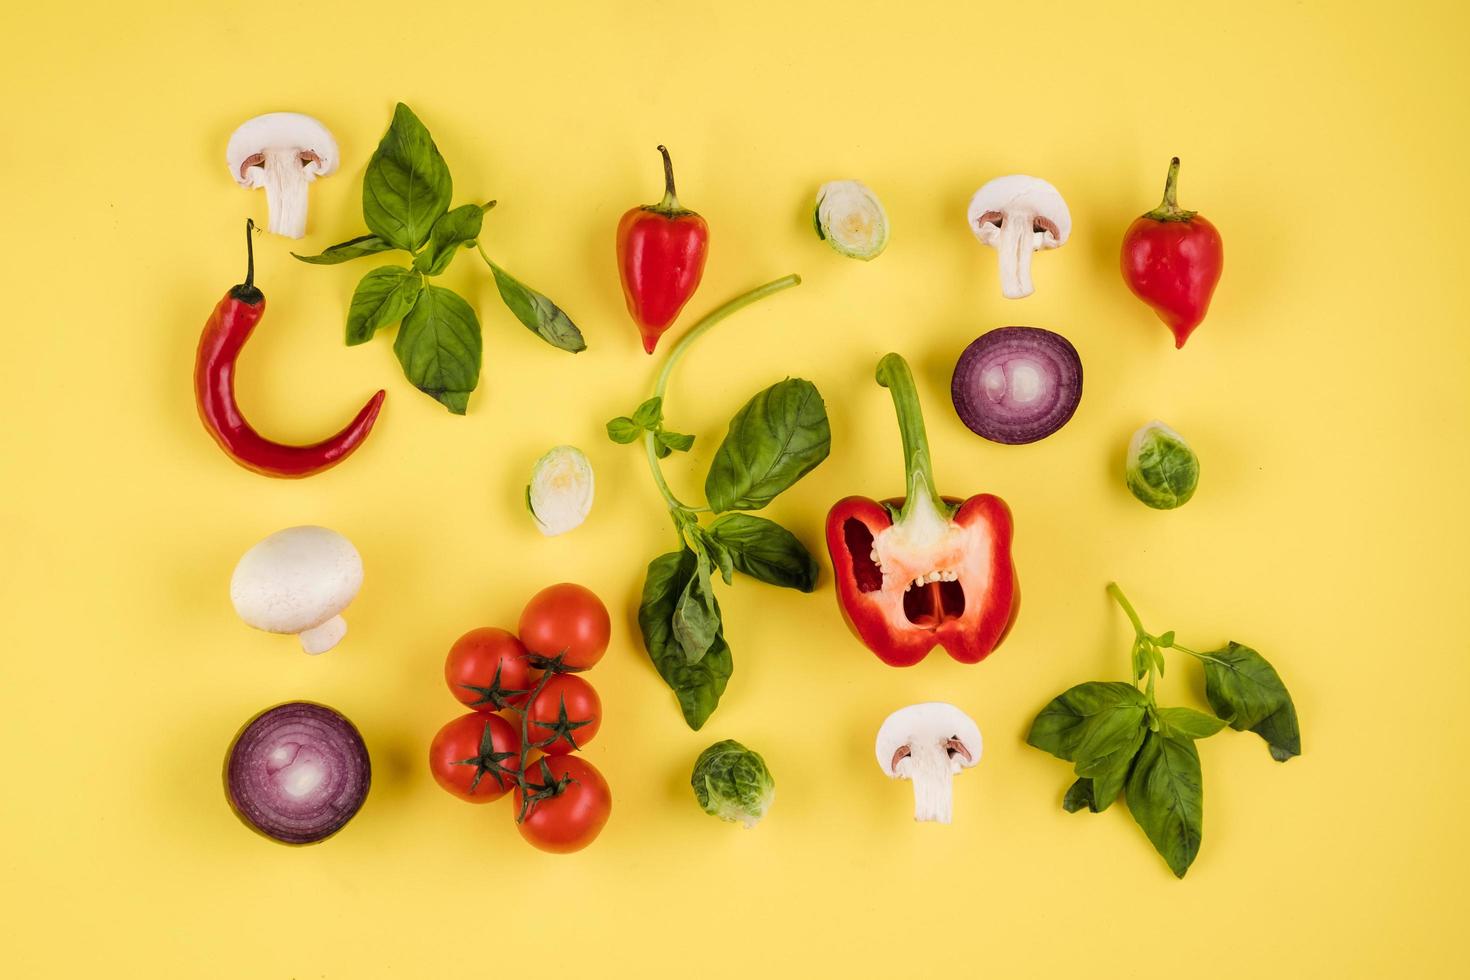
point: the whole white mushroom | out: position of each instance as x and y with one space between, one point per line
298 581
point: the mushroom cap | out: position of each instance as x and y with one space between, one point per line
931 722
296 579
1020 193
281 131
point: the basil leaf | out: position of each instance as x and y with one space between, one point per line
1107 782
672 442
439 347
1247 692
453 229
766 551
1166 798
775 440
383 297
696 620
353 248
1083 721
540 315
697 686
1079 795
650 413
623 430
407 185
1190 723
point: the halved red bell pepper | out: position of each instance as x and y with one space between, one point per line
923 569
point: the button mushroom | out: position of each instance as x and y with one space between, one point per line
298 581
282 152
1018 215
928 744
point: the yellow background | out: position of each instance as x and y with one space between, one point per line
1326 395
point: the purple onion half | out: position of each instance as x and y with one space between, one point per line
1016 385
297 772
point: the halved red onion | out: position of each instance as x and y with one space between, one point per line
297 772
1017 384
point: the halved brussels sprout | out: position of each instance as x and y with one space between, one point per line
559 495
732 783
1162 470
850 219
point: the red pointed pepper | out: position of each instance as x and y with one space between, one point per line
229 326
661 253
1172 260
924 569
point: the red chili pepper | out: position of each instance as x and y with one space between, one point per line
224 335
925 569
1172 260
661 253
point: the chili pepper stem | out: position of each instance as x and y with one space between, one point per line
670 202
1169 209
681 348
894 374
249 253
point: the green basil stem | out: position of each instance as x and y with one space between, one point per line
1145 636
894 374
1122 600
680 349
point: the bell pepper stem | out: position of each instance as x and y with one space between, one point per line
682 347
894 374
1169 209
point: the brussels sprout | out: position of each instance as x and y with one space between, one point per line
732 783
850 219
559 495
1162 470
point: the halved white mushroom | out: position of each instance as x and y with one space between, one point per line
1016 216
928 744
298 581
282 152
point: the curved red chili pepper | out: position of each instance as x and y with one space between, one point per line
661 253
1172 259
229 326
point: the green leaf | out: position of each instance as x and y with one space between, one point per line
383 297
1166 798
766 551
623 430
650 413
696 621
1107 781
453 229
1141 659
1088 720
353 248
1245 690
439 347
1190 723
672 442
1079 796
540 315
407 185
775 440
697 686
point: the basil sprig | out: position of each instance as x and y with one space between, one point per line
1121 742
778 437
406 193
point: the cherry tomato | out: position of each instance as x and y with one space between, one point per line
567 708
566 620
487 669
573 818
468 755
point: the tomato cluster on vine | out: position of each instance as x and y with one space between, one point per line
532 713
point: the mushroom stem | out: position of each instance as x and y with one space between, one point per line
1017 242
932 774
321 638
285 183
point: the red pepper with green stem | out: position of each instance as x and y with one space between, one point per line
661 253
924 569
229 326
1172 259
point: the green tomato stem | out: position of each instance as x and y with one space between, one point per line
680 349
894 374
